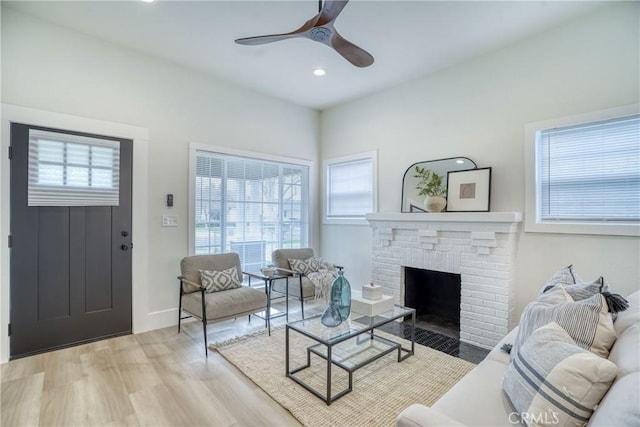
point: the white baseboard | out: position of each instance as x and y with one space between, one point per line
159 319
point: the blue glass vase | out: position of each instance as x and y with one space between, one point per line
341 295
331 316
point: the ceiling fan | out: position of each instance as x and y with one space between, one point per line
320 29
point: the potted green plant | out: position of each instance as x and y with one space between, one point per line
430 185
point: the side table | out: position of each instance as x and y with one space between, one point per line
268 284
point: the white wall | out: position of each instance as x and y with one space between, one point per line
49 68
479 110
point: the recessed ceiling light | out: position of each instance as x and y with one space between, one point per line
460 161
148 1
319 72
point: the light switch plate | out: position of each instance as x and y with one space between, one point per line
169 220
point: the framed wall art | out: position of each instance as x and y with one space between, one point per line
469 190
411 200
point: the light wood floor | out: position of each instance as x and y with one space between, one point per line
157 378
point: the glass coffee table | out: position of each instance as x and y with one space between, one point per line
349 346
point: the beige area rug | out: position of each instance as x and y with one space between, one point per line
381 390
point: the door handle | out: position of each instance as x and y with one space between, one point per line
124 247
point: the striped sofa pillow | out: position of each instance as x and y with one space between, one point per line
552 381
587 321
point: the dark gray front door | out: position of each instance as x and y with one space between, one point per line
70 265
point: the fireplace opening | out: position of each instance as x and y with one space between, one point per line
436 297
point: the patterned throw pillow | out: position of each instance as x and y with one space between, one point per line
554 382
564 276
315 264
215 281
306 266
582 290
326 265
575 286
588 321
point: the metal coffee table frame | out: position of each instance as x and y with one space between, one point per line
361 330
268 284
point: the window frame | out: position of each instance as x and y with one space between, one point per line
195 147
532 221
351 220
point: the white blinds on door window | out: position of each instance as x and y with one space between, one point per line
590 172
72 170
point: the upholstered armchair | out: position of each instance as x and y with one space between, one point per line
211 291
315 276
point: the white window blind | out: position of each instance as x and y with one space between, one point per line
72 170
589 172
249 206
350 188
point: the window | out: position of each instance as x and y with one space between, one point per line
351 188
248 205
587 176
72 170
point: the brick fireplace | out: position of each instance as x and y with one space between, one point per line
480 246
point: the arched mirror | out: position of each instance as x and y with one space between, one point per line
411 201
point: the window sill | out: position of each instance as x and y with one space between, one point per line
610 229
345 221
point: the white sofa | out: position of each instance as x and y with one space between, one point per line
478 399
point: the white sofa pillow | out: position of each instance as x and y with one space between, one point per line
620 407
629 317
625 353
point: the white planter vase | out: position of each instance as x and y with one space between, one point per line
434 203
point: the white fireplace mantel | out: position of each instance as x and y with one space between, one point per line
509 217
480 246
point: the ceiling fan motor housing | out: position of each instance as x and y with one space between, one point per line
320 34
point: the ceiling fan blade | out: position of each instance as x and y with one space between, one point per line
277 37
265 39
330 11
320 28
352 53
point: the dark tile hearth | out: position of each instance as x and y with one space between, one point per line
437 341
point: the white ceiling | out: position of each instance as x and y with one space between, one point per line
407 38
